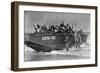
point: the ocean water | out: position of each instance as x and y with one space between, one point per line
73 53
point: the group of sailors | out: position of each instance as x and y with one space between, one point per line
53 28
62 28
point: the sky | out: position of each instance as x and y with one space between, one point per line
79 20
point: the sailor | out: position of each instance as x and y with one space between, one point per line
77 40
42 29
67 28
38 28
45 28
52 28
62 27
67 43
56 28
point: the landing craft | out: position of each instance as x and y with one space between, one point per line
47 42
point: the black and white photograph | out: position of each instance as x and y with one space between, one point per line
53 36
56 36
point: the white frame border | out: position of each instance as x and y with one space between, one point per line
33 64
